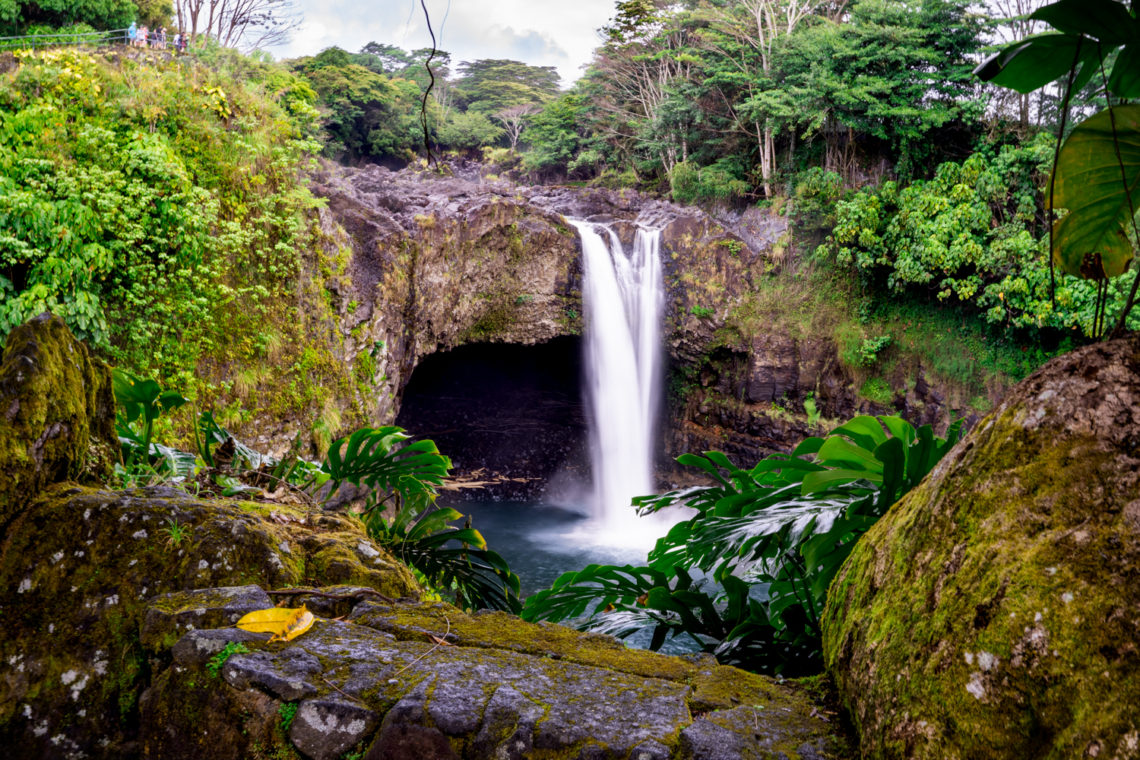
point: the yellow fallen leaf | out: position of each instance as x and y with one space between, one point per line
296 625
284 623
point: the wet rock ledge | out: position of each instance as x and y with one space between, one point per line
429 681
118 608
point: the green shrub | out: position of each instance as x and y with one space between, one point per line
816 193
870 348
877 390
811 409
156 209
719 182
971 235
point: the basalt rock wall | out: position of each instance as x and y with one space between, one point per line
438 262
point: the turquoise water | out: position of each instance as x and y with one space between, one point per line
541 542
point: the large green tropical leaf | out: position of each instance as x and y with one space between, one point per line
747 576
1124 82
1031 64
383 458
142 398
455 559
1103 20
1094 239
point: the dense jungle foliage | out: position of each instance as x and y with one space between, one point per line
157 204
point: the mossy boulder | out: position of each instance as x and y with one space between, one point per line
995 611
57 413
92 587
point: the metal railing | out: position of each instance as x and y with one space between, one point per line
40 41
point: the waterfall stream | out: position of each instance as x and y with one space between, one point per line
623 297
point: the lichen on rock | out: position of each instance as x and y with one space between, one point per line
95 587
994 612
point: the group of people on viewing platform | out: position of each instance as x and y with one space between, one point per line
156 38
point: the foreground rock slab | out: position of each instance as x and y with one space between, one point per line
995 611
398 681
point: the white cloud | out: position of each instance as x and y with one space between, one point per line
539 32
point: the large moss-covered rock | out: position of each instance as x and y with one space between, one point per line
90 602
995 611
56 412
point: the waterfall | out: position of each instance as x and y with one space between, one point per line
623 297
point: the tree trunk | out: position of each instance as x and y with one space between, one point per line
767 157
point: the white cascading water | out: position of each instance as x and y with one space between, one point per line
623 297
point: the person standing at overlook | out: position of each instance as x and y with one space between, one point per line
132 34
143 32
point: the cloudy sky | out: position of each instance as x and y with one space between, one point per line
540 32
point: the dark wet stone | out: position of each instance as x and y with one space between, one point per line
456 707
406 735
197 648
325 728
746 733
182 611
508 725
286 675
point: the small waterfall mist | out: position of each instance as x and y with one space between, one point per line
623 298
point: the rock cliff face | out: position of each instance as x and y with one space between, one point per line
442 262
994 611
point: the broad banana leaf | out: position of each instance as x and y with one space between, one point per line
1094 239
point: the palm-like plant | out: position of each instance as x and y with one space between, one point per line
401 515
401 475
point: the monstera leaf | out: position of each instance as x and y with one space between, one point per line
1088 31
382 458
1093 239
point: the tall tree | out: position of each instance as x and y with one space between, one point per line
17 15
368 114
248 24
645 54
492 85
746 35
1015 25
514 119
893 71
